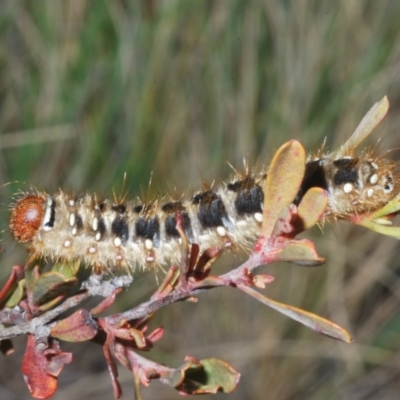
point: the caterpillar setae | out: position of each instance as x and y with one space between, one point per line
109 235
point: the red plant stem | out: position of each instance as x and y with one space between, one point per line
231 278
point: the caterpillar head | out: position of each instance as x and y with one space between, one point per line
26 217
360 184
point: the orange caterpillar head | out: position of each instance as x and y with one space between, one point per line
26 217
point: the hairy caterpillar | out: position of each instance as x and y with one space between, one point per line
108 235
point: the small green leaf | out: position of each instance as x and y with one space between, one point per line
379 221
388 230
68 270
50 285
18 294
300 252
209 376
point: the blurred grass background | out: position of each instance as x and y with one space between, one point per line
91 89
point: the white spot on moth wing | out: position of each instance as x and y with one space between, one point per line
347 188
374 179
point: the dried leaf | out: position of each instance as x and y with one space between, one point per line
311 208
41 368
78 327
12 285
284 178
373 117
312 321
300 252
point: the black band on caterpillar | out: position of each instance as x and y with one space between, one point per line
108 235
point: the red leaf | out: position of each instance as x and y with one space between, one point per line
78 327
41 368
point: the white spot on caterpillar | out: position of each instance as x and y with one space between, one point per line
71 202
221 231
149 244
98 236
150 259
347 188
95 223
258 217
375 165
370 192
67 243
72 219
117 242
118 257
74 231
374 179
92 250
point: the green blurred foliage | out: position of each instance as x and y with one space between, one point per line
90 90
